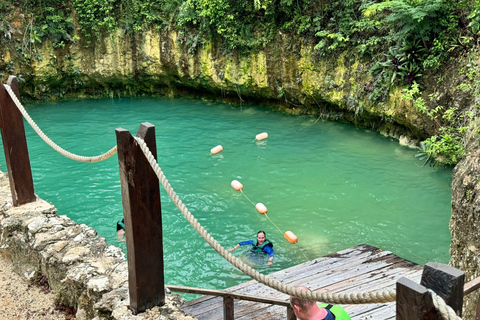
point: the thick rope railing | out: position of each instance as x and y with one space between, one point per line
445 311
52 144
336 298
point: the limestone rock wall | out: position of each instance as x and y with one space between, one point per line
81 268
465 221
285 75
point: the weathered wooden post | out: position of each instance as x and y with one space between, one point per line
445 281
228 308
414 302
143 219
15 146
290 314
477 314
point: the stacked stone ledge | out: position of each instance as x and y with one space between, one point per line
81 268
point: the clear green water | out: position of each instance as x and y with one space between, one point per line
335 186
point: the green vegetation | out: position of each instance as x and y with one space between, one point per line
52 20
448 146
419 32
403 40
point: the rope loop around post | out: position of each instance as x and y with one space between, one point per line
334 298
445 311
52 144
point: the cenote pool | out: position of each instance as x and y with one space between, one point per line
335 186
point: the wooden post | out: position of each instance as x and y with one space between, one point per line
143 219
447 282
290 314
15 146
414 302
477 315
228 308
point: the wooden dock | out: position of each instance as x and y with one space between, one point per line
359 269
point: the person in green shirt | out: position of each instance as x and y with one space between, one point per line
309 310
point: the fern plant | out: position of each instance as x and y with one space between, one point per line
414 19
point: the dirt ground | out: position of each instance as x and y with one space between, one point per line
21 300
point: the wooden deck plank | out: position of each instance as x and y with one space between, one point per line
321 265
373 281
319 279
362 268
311 267
375 311
321 272
237 311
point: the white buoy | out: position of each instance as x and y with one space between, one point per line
261 208
261 136
237 185
216 149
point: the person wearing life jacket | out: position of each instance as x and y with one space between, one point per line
121 230
261 244
309 310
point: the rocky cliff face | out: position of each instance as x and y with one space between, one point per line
286 75
465 221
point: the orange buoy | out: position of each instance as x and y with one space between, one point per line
261 208
237 185
217 149
290 236
261 136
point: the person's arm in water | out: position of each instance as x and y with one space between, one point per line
121 235
243 243
271 254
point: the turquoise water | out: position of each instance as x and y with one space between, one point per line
333 185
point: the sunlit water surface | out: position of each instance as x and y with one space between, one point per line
333 185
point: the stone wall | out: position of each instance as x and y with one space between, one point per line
81 268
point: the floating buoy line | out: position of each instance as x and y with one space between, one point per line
258 137
260 207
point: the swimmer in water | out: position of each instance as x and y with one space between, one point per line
261 244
